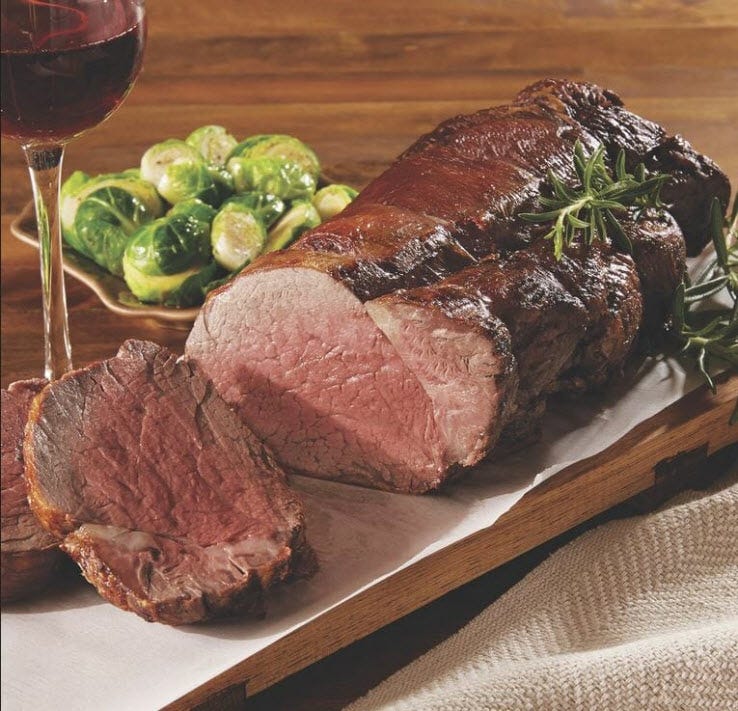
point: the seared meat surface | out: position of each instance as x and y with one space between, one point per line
695 179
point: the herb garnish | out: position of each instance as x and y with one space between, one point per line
711 332
588 209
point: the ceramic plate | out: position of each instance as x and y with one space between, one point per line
112 290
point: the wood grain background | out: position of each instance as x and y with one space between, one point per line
359 81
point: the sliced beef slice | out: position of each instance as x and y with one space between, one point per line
29 555
170 505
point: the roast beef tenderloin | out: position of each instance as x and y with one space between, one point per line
301 343
168 503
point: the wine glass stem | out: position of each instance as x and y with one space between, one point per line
44 165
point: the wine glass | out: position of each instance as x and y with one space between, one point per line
66 66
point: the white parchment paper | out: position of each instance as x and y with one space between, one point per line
72 650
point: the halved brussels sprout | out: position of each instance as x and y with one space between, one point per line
269 175
98 215
194 209
237 236
162 255
302 216
268 208
157 158
283 148
214 143
184 179
331 199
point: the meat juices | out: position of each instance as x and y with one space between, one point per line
168 503
385 348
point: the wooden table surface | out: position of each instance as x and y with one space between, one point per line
360 81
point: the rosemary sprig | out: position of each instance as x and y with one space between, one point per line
588 210
711 332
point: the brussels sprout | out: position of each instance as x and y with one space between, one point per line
284 148
162 255
156 159
269 175
194 209
214 143
98 215
68 205
223 181
237 236
184 179
302 216
194 288
268 208
330 200
104 222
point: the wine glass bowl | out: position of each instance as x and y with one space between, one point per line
65 66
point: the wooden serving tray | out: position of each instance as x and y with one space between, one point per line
697 424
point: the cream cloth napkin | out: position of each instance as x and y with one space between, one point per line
638 614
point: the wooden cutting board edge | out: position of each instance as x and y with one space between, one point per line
574 495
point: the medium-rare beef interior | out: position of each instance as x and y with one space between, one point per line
169 504
383 348
325 388
30 555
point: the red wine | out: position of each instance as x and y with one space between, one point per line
67 76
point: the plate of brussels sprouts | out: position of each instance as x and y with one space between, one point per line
155 240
